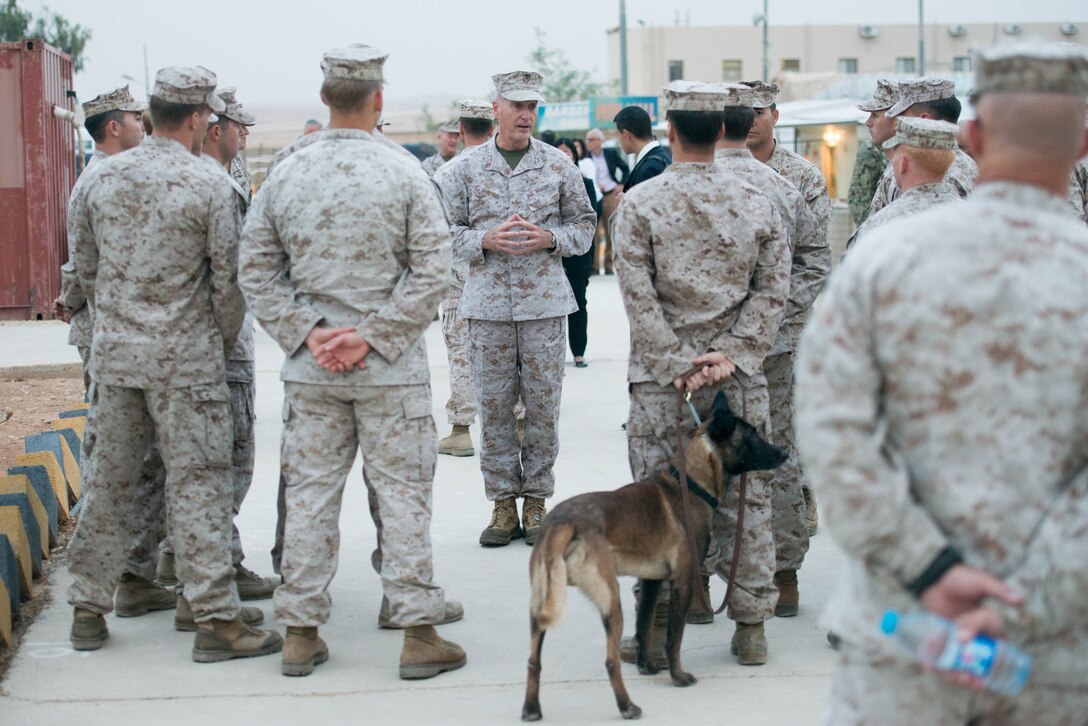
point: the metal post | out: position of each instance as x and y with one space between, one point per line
766 46
921 38
623 47
147 74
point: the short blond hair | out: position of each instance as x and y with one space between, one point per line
348 94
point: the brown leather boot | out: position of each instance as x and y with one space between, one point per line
425 654
533 512
184 621
302 651
219 640
788 596
89 630
749 644
655 648
698 614
504 524
252 586
454 611
164 571
136 596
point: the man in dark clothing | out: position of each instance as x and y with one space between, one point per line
636 137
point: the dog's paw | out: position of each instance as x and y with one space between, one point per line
631 712
683 680
648 669
531 714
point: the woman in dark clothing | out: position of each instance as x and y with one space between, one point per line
579 269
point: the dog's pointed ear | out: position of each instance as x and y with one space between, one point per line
722 420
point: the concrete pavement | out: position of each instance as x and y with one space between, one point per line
144 673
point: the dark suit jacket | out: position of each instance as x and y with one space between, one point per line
614 160
652 164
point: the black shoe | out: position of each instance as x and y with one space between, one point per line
581 364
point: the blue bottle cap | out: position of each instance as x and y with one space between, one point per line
889 622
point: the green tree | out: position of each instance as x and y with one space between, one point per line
562 82
15 24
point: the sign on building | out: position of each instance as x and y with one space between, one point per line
602 109
572 116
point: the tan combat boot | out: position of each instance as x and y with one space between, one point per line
749 644
655 648
504 524
453 612
425 654
698 614
812 515
89 630
183 618
302 651
533 512
219 640
164 571
252 586
458 443
136 596
788 596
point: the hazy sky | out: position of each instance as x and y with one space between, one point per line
271 49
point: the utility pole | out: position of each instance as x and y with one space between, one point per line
147 74
623 47
921 38
767 45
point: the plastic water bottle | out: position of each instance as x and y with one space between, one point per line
932 640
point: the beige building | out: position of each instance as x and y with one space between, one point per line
657 55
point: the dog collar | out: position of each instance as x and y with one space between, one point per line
694 488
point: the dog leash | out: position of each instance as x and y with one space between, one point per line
683 398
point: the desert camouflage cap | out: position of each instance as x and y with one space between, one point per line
234 110
1032 66
356 62
473 108
922 89
884 97
923 133
765 93
450 127
179 84
118 99
519 85
737 95
694 96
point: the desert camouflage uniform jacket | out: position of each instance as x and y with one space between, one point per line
433 162
811 255
156 249
480 192
703 264
941 402
911 203
961 175
349 233
239 172
82 323
303 141
1078 189
868 169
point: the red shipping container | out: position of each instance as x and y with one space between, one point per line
38 154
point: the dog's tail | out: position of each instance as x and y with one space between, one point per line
548 575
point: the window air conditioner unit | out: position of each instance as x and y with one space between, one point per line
1012 30
1068 29
957 31
868 31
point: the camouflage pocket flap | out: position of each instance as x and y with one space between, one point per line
211 392
417 407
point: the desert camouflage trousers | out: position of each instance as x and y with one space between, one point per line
193 428
894 693
461 406
787 502
324 426
144 553
651 446
512 359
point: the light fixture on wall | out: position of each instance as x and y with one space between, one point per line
832 136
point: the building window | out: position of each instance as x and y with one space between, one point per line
732 70
904 65
961 63
791 65
676 70
848 65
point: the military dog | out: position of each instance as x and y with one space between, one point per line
638 530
